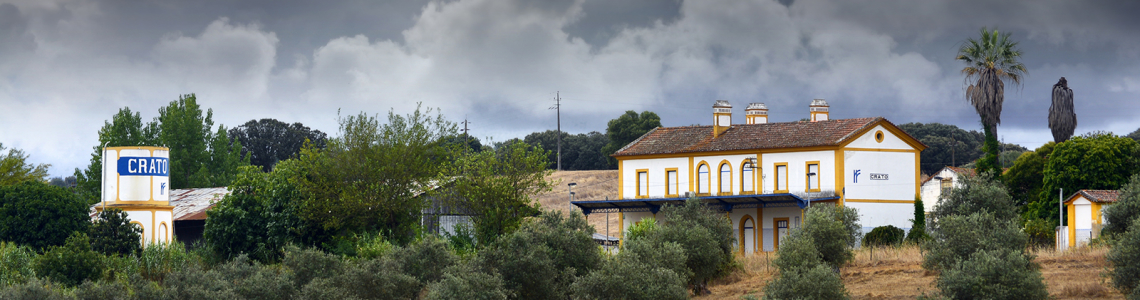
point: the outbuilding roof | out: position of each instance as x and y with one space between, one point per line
191 204
956 170
669 140
1099 196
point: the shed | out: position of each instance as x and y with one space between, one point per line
1084 209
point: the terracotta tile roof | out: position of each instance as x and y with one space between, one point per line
666 140
959 170
191 204
1099 196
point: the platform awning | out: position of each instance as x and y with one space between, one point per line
722 203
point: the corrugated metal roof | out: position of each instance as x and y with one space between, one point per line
191 204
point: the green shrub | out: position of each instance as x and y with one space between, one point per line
159 260
101 290
33 289
193 282
254 281
1124 257
994 274
425 259
797 252
629 276
113 233
369 246
369 279
705 235
956 237
71 263
309 264
464 282
834 230
258 218
641 229
657 253
463 242
917 233
38 215
975 194
120 268
541 259
1119 215
818 282
1041 233
884 236
16 264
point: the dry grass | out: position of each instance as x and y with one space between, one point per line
592 185
897 273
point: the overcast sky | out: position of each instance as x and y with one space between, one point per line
67 66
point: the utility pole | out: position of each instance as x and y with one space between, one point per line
558 111
466 144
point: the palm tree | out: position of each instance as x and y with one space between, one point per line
990 61
1062 119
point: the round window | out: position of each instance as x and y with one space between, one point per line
879 136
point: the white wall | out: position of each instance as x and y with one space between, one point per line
143 217
873 215
797 170
768 224
656 168
890 140
899 167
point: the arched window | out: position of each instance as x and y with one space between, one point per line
703 179
725 178
162 233
746 179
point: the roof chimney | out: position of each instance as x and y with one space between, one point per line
818 110
756 113
722 117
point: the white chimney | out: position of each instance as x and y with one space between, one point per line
756 113
818 110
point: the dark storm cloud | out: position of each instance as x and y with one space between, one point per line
499 62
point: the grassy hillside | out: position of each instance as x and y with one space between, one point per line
592 185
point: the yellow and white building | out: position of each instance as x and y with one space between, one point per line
137 181
763 175
1085 214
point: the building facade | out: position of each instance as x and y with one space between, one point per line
1085 214
763 175
941 183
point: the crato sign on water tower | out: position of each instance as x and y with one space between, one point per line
137 180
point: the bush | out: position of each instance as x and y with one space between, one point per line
39 215
994 274
159 260
253 281
101 290
258 218
797 252
629 276
884 236
426 259
369 279
309 264
34 289
16 264
834 230
657 253
976 194
113 233
193 282
369 246
541 259
463 242
1041 233
464 282
1124 257
819 282
641 229
1119 215
705 235
917 233
71 263
956 237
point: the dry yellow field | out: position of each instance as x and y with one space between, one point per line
896 273
592 185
